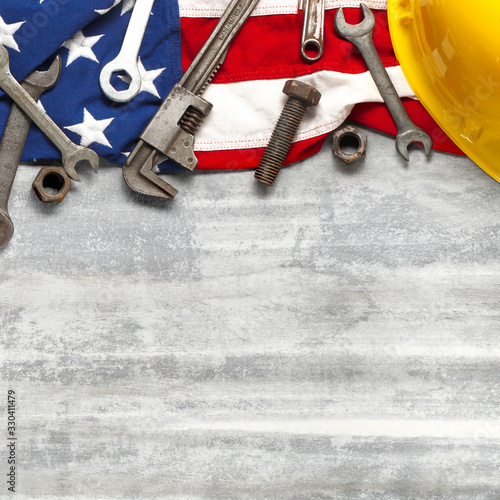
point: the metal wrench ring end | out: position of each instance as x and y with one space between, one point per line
6 229
121 96
313 46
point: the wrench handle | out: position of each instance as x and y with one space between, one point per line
126 60
200 72
11 149
136 29
12 144
382 80
313 32
12 87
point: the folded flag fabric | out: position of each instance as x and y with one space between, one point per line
88 34
266 54
246 93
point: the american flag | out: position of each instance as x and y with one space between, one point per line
246 93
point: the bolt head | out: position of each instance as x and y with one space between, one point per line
305 93
62 179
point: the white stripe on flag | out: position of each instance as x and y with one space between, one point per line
215 8
245 113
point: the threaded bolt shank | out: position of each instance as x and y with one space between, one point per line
281 142
300 97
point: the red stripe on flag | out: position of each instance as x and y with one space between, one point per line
268 48
250 158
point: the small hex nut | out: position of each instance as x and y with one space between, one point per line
307 94
346 133
54 178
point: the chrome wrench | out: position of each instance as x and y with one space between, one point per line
126 60
171 130
14 139
361 35
71 153
313 33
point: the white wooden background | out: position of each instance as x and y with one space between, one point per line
336 337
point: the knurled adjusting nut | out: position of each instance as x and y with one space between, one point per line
56 178
346 133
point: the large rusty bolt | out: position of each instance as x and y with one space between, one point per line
305 93
300 96
52 184
349 136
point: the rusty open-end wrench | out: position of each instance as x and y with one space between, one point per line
361 35
71 153
14 139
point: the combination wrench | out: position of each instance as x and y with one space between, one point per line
313 32
71 153
14 139
361 35
126 60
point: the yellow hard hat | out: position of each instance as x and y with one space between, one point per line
449 51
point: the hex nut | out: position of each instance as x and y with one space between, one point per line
55 178
305 93
346 133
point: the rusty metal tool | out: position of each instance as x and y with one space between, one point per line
361 35
353 136
71 153
52 184
300 97
14 139
171 131
126 60
313 33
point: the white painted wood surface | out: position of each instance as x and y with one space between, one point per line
334 338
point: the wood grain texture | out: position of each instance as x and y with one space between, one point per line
336 337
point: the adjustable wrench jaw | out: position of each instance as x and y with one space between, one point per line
171 132
172 129
139 176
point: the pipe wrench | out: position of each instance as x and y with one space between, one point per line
171 131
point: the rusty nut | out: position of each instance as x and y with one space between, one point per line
52 184
305 93
349 136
